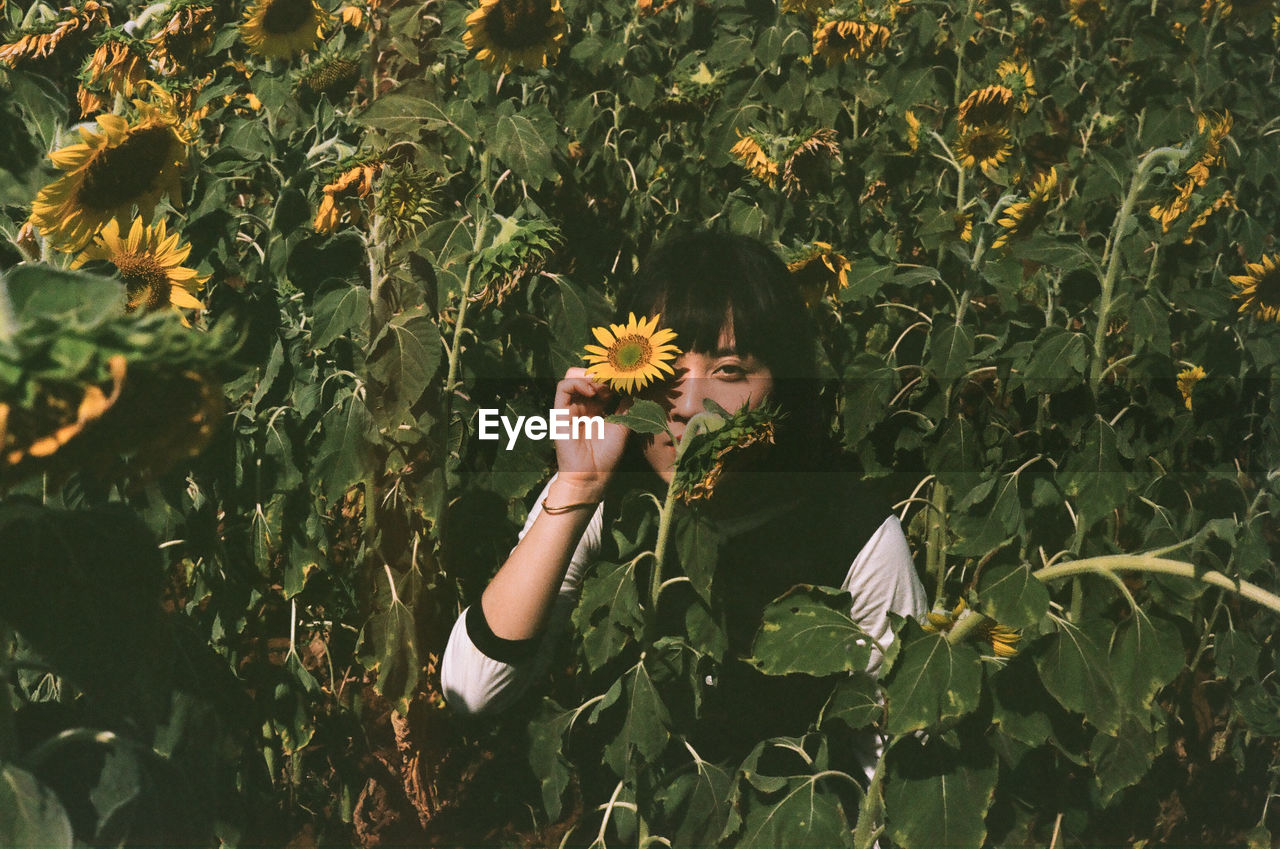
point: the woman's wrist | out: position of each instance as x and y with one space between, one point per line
575 489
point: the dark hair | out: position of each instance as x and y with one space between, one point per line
700 281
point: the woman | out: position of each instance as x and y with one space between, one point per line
746 337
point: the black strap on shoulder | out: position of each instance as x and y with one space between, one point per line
493 646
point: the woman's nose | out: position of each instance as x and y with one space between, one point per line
686 399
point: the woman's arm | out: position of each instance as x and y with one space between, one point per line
883 580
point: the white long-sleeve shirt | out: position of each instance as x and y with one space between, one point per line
882 579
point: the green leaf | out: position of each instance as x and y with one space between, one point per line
645 725
607 615
1011 596
1059 359
345 454
855 703
405 357
75 297
340 307
547 732
697 803
30 813
390 646
808 630
949 352
525 147
698 547
1146 654
1075 672
1094 474
643 416
931 681
937 794
1122 760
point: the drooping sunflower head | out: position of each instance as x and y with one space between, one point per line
185 36
731 445
149 261
806 159
283 28
1020 218
1260 288
1086 14
630 356
1187 380
115 68
913 130
332 73
120 166
751 151
987 107
1176 201
520 249
808 8
1016 75
1002 639
819 270
983 147
1206 149
43 40
840 40
344 198
511 34
1226 199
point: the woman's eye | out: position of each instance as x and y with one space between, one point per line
731 371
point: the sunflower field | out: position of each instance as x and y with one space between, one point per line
263 262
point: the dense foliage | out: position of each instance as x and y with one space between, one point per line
1039 243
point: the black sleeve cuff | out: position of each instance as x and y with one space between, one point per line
501 650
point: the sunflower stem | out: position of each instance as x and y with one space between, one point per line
963 628
8 321
1139 181
664 542
1157 565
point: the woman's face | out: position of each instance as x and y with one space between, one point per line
725 376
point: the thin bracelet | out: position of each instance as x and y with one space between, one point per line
556 511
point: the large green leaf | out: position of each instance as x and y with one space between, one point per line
607 615
698 546
645 726
642 416
949 351
808 630
804 813
546 753
937 794
1094 472
1011 596
389 645
1146 654
340 307
931 681
524 142
696 804
30 813
1058 361
1075 671
1122 760
405 357
855 702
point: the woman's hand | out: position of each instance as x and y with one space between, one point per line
585 464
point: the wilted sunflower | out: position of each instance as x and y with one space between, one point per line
1225 199
987 106
149 262
282 28
1211 129
108 173
809 8
343 197
710 457
805 159
1022 217
913 130
1016 75
1187 380
840 40
983 147
186 35
42 40
1176 203
519 249
819 270
750 151
115 68
1086 14
631 355
1260 288
511 34
1003 639
331 73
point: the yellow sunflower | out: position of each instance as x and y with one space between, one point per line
115 68
983 147
41 41
282 28
630 356
1226 199
112 170
1003 639
187 34
1016 75
1086 14
343 197
809 8
511 34
987 106
750 151
1211 129
150 263
839 41
1022 217
819 270
1260 288
913 130
1187 380
806 158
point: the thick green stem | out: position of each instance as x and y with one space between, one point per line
1147 563
8 321
665 521
935 554
961 630
1140 176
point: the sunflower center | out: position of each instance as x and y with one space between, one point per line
1267 290
121 174
984 146
145 280
284 17
515 24
630 353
